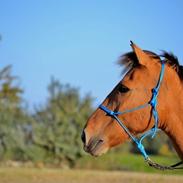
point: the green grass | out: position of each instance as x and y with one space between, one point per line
126 162
113 167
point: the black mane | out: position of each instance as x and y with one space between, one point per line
173 62
130 61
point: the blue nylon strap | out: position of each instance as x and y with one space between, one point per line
133 109
137 142
111 113
153 103
126 129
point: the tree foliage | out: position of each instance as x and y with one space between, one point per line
11 114
57 126
52 133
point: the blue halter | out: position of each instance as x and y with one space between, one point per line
152 103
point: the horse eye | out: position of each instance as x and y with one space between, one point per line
123 89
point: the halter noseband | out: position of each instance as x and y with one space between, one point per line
153 103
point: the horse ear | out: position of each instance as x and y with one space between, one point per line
142 57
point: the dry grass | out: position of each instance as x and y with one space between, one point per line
32 175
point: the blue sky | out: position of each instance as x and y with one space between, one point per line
79 41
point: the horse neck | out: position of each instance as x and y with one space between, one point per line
172 111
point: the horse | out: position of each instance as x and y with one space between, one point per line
143 70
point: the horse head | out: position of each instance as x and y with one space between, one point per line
101 131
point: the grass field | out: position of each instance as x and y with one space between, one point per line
109 168
33 175
127 162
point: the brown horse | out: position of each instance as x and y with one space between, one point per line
102 132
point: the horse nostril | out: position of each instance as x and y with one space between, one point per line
83 137
100 141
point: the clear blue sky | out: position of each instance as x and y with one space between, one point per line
79 41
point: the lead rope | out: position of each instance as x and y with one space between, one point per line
162 167
152 131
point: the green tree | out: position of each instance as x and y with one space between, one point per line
11 114
9 108
58 125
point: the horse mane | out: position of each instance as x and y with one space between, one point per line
129 61
173 62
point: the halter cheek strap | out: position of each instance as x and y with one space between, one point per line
153 103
